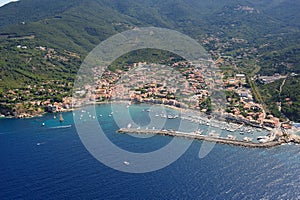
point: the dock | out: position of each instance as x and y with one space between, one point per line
207 138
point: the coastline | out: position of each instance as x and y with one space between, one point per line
199 118
183 110
190 114
41 114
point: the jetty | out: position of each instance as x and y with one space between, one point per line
194 135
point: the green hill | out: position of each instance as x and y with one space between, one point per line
268 29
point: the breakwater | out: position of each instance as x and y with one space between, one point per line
207 138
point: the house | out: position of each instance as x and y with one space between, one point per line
273 122
232 82
286 126
269 123
51 108
240 76
244 94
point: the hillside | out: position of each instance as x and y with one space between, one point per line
46 40
97 18
28 11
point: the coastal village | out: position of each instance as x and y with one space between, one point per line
125 99
181 85
186 89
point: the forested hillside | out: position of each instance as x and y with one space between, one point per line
47 40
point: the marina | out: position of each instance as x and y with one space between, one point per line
213 137
231 127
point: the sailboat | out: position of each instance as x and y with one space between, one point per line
61 119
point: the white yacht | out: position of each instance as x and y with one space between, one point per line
126 163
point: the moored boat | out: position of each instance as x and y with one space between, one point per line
61 119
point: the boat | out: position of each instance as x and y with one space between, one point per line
43 124
170 117
61 119
129 125
126 163
199 132
247 139
163 116
213 134
231 137
263 139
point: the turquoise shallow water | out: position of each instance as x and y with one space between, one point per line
51 163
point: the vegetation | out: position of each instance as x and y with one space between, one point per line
288 98
253 37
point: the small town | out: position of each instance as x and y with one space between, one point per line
185 89
180 85
150 99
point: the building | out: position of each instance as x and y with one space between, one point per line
240 76
51 108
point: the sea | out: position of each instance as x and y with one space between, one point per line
42 158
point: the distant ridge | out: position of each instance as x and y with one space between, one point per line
42 40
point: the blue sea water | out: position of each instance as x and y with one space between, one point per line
49 162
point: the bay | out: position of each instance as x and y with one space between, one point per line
49 162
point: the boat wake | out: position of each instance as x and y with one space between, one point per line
58 127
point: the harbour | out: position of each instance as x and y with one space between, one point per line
43 155
208 138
